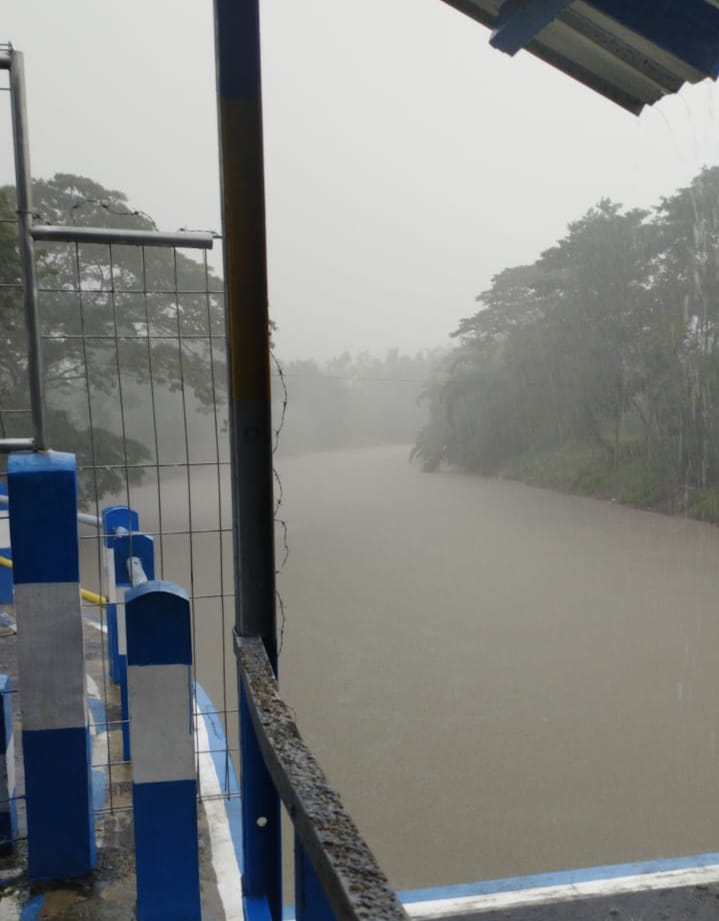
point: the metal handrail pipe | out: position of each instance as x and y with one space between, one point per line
136 571
5 61
82 517
92 520
16 444
51 233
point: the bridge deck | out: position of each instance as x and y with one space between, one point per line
699 903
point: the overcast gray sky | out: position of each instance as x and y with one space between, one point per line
407 161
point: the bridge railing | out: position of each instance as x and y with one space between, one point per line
336 874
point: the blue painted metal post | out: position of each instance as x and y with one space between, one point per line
310 900
8 808
125 547
6 592
51 660
114 517
164 787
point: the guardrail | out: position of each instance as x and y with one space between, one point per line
336 875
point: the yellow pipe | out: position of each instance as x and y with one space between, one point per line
85 594
92 597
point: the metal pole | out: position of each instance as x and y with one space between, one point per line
24 209
241 159
182 238
237 51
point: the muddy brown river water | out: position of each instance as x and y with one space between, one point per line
498 679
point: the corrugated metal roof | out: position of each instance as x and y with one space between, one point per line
631 51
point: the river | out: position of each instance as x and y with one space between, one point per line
498 679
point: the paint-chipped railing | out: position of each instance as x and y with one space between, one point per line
336 874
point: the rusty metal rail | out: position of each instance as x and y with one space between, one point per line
353 883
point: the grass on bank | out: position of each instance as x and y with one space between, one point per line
591 470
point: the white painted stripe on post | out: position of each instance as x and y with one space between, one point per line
121 626
50 655
224 856
109 567
9 771
595 888
161 734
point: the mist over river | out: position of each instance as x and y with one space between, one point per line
498 679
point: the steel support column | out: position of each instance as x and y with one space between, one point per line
24 209
237 49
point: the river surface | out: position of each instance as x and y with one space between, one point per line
498 679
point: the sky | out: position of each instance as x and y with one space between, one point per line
407 161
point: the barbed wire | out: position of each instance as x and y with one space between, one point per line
280 495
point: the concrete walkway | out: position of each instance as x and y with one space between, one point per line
108 894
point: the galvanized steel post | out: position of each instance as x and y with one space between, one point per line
24 209
237 49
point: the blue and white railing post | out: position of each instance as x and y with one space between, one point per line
164 786
6 589
51 662
134 563
8 808
114 517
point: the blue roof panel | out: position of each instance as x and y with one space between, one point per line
631 51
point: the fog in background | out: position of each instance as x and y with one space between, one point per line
498 679
407 161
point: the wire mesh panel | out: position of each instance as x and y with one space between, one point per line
133 345
15 413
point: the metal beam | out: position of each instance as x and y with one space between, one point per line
519 21
63 234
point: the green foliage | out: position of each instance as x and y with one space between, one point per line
600 360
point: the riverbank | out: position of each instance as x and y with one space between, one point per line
589 470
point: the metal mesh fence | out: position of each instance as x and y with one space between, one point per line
133 345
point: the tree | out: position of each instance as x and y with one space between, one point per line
120 325
612 332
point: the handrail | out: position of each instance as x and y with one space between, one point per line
82 517
85 593
353 883
183 239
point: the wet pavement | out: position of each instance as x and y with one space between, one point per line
108 893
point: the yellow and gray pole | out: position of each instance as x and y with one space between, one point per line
237 49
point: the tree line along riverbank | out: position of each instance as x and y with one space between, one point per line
596 368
